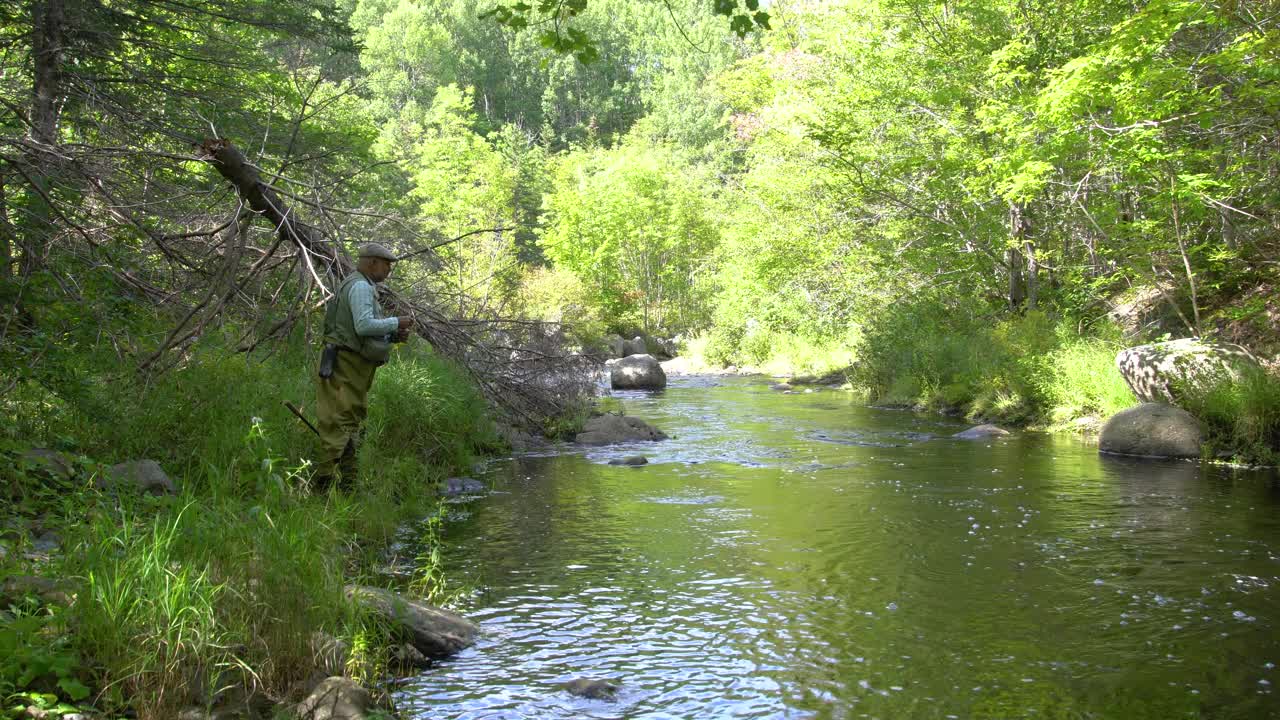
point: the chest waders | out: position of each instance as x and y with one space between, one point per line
342 397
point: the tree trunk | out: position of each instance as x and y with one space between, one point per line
231 164
6 233
1015 259
1033 279
48 22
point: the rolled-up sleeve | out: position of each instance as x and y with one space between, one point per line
367 323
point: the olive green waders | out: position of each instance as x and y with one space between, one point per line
342 401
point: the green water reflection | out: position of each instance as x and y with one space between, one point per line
800 556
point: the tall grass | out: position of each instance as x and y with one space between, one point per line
224 586
1242 415
1027 368
1079 379
148 611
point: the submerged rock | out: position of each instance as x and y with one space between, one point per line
614 429
630 460
981 432
592 689
1152 430
637 372
462 486
433 631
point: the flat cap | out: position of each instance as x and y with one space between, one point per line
378 251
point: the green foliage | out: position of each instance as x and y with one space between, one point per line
223 586
745 16
423 402
429 580
1079 379
150 612
1242 414
559 296
634 225
1023 369
38 665
463 186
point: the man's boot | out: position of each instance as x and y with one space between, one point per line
321 482
347 469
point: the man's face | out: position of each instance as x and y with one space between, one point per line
379 269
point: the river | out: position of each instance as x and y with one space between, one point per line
802 556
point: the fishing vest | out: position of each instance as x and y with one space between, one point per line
340 326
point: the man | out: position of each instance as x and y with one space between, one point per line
357 340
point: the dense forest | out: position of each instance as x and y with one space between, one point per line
968 206
897 182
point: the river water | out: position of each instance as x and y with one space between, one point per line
801 556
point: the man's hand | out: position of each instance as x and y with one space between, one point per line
406 322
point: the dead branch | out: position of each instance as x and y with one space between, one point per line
518 365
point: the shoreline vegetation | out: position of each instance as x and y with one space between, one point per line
215 598
1025 371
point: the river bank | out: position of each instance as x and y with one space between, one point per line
209 600
1032 371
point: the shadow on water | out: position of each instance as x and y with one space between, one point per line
801 556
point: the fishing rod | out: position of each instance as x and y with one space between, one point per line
442 243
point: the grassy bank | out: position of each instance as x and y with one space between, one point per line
193 599
1029 369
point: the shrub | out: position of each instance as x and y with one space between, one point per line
1020 368
560 296
1242 415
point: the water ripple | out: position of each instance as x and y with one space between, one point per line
801 557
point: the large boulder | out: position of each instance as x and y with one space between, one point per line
330 653
1163 372
336 698
49 463
637 372
16 589
614 345
665 349
145 476
634 346
614 429
436 633
1152 430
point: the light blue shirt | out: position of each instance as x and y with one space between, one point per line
365 313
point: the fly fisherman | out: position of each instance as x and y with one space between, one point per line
357 339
